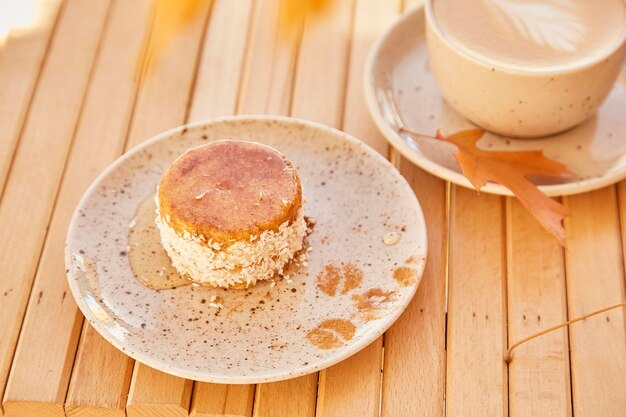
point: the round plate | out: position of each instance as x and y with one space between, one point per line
319 316
401 91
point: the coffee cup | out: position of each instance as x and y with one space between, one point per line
526 69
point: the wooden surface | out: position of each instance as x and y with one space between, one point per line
71 102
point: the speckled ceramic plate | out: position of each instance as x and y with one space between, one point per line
353 288
401 91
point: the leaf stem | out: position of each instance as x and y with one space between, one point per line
508 357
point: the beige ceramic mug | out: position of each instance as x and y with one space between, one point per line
510 98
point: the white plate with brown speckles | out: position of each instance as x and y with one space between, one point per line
353 288
401 92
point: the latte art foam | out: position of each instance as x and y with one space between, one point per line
538 33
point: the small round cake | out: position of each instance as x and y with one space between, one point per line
230 213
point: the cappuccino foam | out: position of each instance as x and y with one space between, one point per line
533 34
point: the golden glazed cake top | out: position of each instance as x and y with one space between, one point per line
229 190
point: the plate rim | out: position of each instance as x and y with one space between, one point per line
343 354
396 141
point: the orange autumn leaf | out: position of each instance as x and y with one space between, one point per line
170 17
293 12
511 169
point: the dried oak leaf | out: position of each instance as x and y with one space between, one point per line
511 169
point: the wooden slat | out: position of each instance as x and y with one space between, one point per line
21 60
267 88
621 203
417 386
153 393
351 387
287 398
322 67
476 380
216 93
38 166
212 400
161 104
270 62
221 65
414 367
539 382
317 95
165 94
371 19
39 377
99 371
595 279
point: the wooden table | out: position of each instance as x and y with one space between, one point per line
70 103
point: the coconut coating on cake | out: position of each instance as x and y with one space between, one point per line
240 264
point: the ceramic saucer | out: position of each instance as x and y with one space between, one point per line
366 258
401 92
